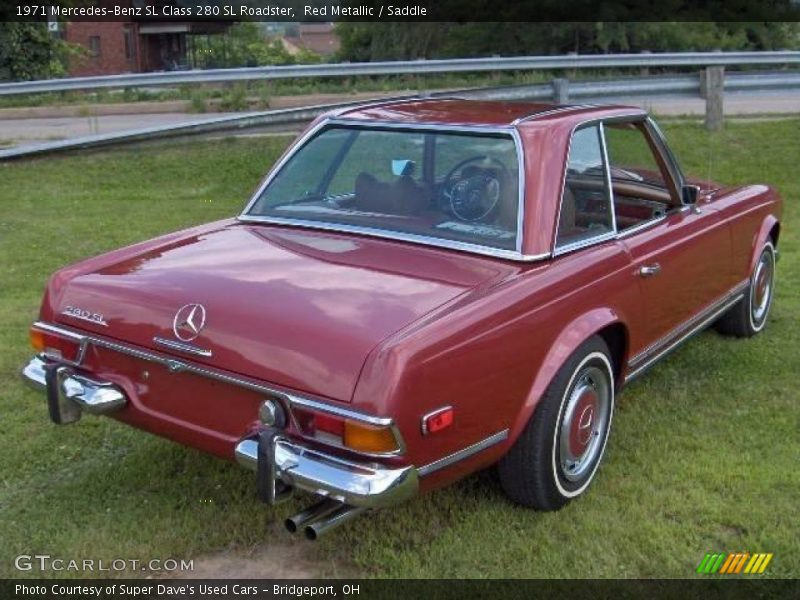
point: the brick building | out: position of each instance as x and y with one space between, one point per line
135 46
319 38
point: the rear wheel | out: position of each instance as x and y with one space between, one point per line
558 453
749 316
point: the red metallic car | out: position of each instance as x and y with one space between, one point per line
418 290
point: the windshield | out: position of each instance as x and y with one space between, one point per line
433 185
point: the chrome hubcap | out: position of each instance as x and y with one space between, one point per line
584 423
761 287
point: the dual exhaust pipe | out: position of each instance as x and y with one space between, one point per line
321 517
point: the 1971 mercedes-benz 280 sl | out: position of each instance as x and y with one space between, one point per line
418 290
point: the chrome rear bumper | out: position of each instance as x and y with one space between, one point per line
358 484
365 485
71 394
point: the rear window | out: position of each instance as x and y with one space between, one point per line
438 186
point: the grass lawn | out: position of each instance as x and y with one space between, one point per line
703 457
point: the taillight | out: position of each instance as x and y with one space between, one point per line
369 438
347 433
55 346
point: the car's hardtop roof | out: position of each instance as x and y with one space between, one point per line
476 113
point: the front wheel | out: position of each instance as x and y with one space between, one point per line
749 316
557 455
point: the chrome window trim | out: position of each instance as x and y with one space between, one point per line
297 144
673 168
600 238
176 365
463 454
399 237
512 132
663 346
580 244
625 233
607 173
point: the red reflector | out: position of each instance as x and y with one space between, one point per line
438 420
329 424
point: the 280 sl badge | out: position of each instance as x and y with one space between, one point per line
84 315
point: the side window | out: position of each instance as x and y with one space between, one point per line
585 204
641 186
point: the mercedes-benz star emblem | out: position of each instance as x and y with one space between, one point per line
189 322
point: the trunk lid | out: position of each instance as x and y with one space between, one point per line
293 307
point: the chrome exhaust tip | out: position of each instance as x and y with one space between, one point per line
341 515
316 511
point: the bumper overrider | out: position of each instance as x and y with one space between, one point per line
282 465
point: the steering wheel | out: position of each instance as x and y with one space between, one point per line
473 198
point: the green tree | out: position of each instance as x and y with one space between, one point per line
387 41
30 51
243 45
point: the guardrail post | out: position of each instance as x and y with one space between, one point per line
712 88
561 90
645 71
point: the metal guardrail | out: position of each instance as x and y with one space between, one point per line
684 85
415 67
680 85
200 126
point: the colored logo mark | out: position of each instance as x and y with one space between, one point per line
734 563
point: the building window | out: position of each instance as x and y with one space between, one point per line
94 45
128 44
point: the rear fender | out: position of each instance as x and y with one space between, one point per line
760 239
567 342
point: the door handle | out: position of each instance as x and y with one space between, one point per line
649 270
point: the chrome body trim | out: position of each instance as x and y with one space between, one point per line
358 484
175 365
658 349
182 347
426 240
463 454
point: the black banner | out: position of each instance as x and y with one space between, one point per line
400 589
401 10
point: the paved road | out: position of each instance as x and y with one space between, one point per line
24 131
735 104
19 132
